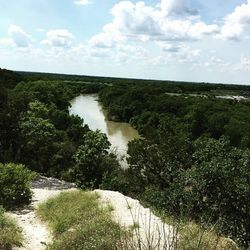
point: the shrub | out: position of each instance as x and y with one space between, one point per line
15 185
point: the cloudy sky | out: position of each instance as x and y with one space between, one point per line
193 40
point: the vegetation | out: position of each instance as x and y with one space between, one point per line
10 234
94 163
192 160
15 185
192 236
86 225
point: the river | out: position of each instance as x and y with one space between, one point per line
93 114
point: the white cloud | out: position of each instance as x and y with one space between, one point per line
236 22
244 64
40 30
6 42
142 22
168 47
177 7
82 2
177 54
58 38
19 36
105 40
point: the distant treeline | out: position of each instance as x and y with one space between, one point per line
8 79
172 86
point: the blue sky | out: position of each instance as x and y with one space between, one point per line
192 40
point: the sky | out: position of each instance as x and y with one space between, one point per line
183 40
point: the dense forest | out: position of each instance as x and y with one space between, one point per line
194 157
192 160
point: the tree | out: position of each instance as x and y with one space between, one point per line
158 160
219 188
38 136
93 160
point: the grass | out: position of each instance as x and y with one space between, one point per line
78 222
193 236
10 233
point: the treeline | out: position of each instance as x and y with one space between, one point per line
145 107
8 79
193 160
171 86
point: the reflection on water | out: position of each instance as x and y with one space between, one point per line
118 133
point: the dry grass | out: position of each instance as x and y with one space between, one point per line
10 233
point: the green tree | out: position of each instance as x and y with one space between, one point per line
38 137
218 185
156 162
93 160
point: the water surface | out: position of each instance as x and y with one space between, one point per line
118 133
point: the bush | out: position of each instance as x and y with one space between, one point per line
10 234
15 185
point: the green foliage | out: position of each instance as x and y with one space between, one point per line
144 105
10 233
52 92
38 136
36 128
15 185
181 165
8 78
219 186
93 160
85 225
11 109
158 160
214 187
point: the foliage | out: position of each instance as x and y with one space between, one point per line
15 185
93 160
86 225
38 135
8 78
219 184
10 233
144 106
214 187
183 164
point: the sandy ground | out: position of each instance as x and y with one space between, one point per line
36 234
149 231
